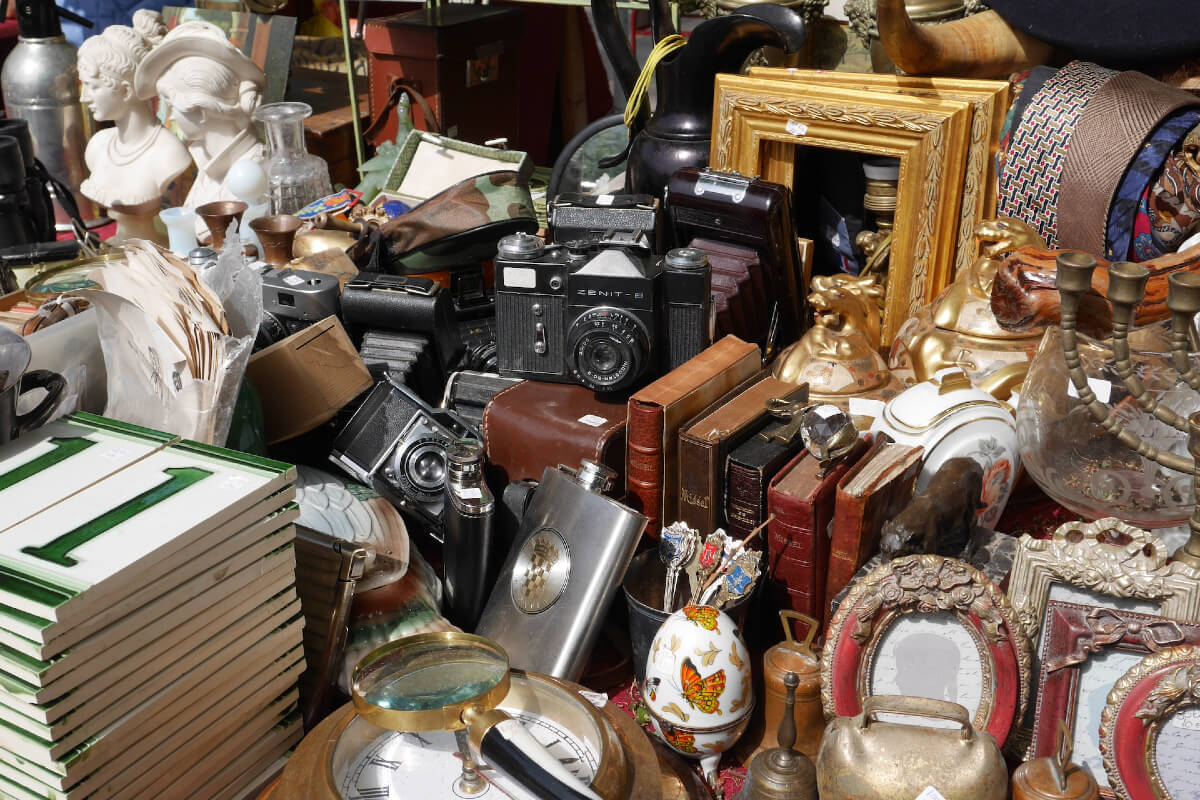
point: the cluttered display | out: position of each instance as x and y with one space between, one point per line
823 434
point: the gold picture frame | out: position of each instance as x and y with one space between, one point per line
757 124
989 104
1084 556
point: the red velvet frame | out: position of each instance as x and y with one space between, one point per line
1069 633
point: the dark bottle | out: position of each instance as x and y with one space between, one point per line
469 529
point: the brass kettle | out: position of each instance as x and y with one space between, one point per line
781 773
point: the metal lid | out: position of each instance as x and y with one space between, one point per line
686 258
595 477
521 246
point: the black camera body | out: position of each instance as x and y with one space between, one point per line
396 443
602 315
572 217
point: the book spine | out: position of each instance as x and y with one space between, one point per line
796 554
745 491
699 487
846 544
644 462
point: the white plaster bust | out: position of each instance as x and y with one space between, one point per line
132 163
210 90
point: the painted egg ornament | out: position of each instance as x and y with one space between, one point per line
697 686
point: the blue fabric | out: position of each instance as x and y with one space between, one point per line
1141 171
105 13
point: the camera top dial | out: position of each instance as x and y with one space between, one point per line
608 349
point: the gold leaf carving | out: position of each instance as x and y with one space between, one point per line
671 708
707 657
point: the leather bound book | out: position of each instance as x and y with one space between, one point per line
706 441
749 468
875 489
657 412
802 499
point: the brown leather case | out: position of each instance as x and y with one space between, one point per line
705 443
463 59
657 412
875 489
802 500
533 425
748 470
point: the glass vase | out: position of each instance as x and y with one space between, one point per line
1083 467
295 177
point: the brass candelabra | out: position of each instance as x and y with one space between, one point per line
1126 290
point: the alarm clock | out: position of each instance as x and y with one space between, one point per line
346 757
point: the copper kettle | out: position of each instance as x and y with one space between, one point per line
798 657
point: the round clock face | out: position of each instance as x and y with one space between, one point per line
426 765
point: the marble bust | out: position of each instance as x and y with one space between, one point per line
210 90
133 162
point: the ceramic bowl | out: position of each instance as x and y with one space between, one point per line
697 686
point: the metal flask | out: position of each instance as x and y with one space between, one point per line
565 566
40 82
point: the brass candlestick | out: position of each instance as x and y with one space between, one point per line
1126 290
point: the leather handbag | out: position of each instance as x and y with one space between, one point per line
534 425
863 758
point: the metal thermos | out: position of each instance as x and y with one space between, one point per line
798 657
40 82
469 529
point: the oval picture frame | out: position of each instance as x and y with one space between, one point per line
928 585
1139 704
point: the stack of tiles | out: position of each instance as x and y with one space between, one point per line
150 633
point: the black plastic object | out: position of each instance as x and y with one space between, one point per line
41 207
679 132
16 224
39 19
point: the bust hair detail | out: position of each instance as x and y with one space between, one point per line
112 57
198 82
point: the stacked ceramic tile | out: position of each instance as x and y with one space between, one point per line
150 633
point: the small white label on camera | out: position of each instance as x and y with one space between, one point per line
593 420
293 280
471 493
865 407
605 200
796 128
1101 388
520 277
930 793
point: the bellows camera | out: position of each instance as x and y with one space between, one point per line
598 314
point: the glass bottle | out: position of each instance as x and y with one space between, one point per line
295 177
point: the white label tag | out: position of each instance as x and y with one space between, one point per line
593 420
796 128
293 280
471 493
930 793
865 407
520 277
598 699
1101 388
604 200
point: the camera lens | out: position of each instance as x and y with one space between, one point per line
607 349
426 466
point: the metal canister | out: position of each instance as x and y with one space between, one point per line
798 657
1042 779
40 83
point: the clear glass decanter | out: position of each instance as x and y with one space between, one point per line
295 177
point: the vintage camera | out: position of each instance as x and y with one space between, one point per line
601 315
396 443
293 299
572 217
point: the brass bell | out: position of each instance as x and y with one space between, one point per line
781 773
1054 777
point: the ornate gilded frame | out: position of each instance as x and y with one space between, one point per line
1076 632
758 122
928 584
1139 704
1083 555
989 105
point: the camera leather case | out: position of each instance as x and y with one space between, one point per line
534 425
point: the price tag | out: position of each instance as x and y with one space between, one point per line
593 420
604 200
796 128
471 493
293 280
1101 388
930 793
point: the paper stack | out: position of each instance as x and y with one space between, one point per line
150 633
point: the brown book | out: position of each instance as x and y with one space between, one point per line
801 500
657 412
707 440
877 488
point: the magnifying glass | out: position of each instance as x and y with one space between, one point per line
453 681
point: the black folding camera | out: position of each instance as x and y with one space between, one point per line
293 299
601 315
396 443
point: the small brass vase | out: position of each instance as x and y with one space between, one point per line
277 234
217 216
